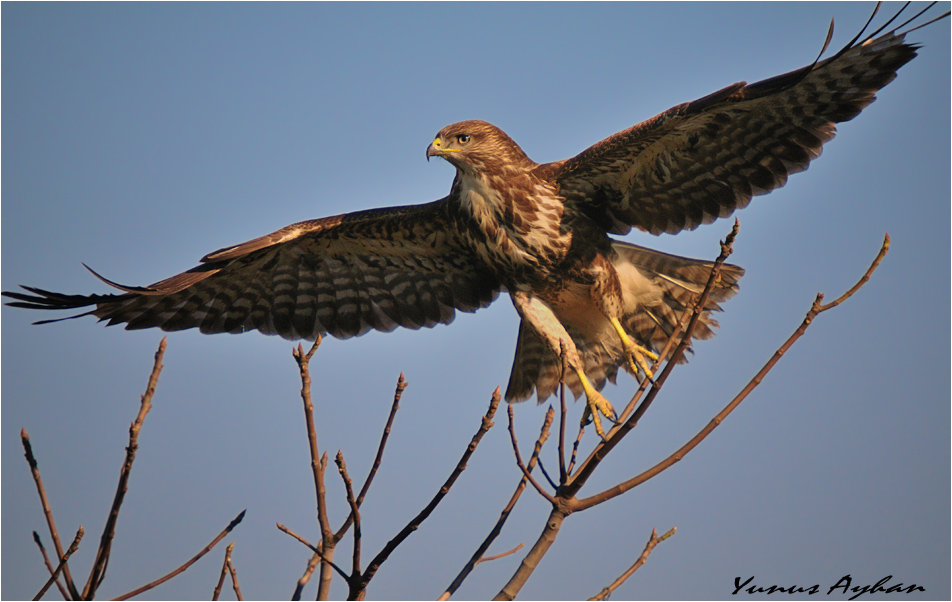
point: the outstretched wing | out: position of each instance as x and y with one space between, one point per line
702 160
342 275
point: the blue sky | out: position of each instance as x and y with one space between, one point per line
139 137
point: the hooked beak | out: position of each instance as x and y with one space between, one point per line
436 149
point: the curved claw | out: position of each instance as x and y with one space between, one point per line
635 354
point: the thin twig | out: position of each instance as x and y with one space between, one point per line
98 572
354 511
315 550
563 473
652 542
525 471
62 564
883 250
318 464
193 560
378 459
224 571
485 424
302 582
234 579
578 441
500 522
545 473
657 469
49 566
47 512
309 545
503 555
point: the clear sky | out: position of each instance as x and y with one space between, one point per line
138 137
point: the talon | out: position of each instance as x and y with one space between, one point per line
596 404
634 353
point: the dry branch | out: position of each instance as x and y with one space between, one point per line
98 571
515 448
311 565
313 549
62 564
47 512
318 464
193 560
652 542
477 556
234 579
354 511
378 459
381 557
224 571
49 566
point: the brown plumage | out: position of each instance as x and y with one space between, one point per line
537 231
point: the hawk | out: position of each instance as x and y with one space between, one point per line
539 232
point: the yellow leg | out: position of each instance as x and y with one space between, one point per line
634 353
597 404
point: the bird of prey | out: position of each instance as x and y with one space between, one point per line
539 232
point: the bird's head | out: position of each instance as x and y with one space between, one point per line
478 146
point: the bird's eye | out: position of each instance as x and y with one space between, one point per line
463 138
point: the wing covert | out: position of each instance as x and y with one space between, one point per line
342 275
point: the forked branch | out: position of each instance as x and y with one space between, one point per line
565 502
652 542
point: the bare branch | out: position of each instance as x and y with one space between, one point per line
497 528
311 565
224 571
503 555
380 558
49 566
563 472
62 564
578 441
552 527
354 511
545 473
401 385
815 310
315 550
47 512
652 542
194 559
234 579
515 448
318 464
883 250
98 571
